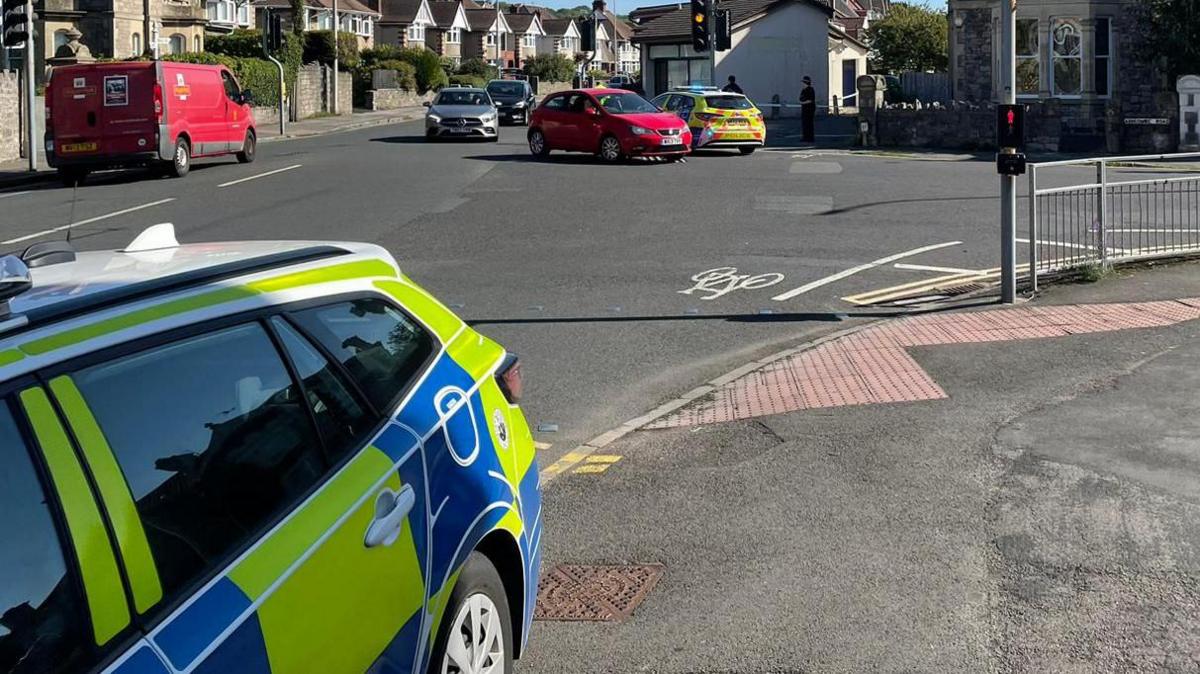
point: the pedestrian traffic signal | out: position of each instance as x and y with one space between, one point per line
700 25
1010 126
722 30
15 23
587 35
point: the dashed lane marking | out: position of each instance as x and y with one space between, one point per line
260 175
89 221
860 268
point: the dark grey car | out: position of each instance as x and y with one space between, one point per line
461 112
514 99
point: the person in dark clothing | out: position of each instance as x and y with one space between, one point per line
732 87
808 110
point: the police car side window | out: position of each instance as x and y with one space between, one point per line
381 348
43 627
341 420
214 441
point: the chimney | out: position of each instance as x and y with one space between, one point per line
599 5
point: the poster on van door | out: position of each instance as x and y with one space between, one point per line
116 90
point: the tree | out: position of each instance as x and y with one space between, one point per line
550 67
909 38
1169 34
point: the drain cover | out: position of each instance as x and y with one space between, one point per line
594 593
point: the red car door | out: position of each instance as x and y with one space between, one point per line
235 117
550 120
582 124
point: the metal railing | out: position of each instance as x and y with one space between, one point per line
1104 222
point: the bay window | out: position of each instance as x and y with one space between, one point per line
1103 56
454 36
1028 63
1066 51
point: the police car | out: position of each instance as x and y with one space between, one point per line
255 457
718 119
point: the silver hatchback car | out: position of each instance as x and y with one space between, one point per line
462 112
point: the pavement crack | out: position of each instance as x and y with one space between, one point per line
768 431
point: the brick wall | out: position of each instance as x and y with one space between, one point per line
10 117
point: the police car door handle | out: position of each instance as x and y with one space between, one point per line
390 510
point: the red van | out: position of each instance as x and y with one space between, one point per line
154 113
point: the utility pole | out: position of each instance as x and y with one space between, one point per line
333 107
499 65
30 89
1008 183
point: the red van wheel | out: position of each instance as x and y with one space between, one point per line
181 161
248 146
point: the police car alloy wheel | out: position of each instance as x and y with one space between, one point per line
476 635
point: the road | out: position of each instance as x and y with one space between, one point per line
576 266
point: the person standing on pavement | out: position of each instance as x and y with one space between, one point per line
732 87
808 110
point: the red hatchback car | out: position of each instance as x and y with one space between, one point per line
612 123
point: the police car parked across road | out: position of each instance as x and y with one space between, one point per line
255 457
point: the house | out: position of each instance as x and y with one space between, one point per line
490 37
561 36
445 36
119 28
526 31
226 16
404 22
355 17
1078 61
775 43
847 60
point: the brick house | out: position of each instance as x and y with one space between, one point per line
488 29
404 22
118 28
561 37
526 31
1078 67
445 36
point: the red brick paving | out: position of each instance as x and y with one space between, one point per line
872 365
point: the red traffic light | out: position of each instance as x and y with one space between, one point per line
1012 117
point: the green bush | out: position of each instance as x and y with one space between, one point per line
318 47
428 65
597 74
383 52
550 67
244 43
258 76
479 68
406 74
467 81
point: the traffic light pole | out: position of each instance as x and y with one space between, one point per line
1008 183
712 43
30 90
275 30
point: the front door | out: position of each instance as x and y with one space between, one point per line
849 81
235 115
284 517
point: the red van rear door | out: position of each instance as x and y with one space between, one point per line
103 110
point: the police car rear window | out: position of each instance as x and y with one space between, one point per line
728 102
382 349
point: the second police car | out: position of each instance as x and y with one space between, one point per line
717 119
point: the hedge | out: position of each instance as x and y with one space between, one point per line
258 76
318 46
428 65
247 43
550 67
467 81
479 68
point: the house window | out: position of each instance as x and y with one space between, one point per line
1103 57
243 14
491 39
529 41
196 46
1066 46
1028 64
454 36
368 28
136 43
178 44
416 32
568 43
60 39
325 21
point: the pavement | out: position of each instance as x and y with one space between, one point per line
1039 515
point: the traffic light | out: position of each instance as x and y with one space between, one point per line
16 23
722 30
700 25
587 35
274 32
1010 126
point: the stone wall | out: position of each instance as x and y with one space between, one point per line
1144 92
10 117
314 91
391 99
972 56
547 88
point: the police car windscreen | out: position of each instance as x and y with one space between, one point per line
728 102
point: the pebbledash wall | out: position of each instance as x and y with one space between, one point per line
10 117
1140 113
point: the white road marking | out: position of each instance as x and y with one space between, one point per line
89 221
260 175
945 270
724 280
13 194
860 268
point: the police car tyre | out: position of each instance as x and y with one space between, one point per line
747 150
478 619
181 160
248 147
537 143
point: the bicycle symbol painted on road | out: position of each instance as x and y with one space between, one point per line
724 280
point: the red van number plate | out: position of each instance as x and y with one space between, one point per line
79 147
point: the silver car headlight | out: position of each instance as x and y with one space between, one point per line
490 117
433 118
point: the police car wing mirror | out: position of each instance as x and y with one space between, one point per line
14 280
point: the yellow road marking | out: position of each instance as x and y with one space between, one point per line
569 459
542 446
591 468
603 458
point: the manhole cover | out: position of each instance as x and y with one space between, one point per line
594 593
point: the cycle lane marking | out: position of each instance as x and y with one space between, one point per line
720 281
860 268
